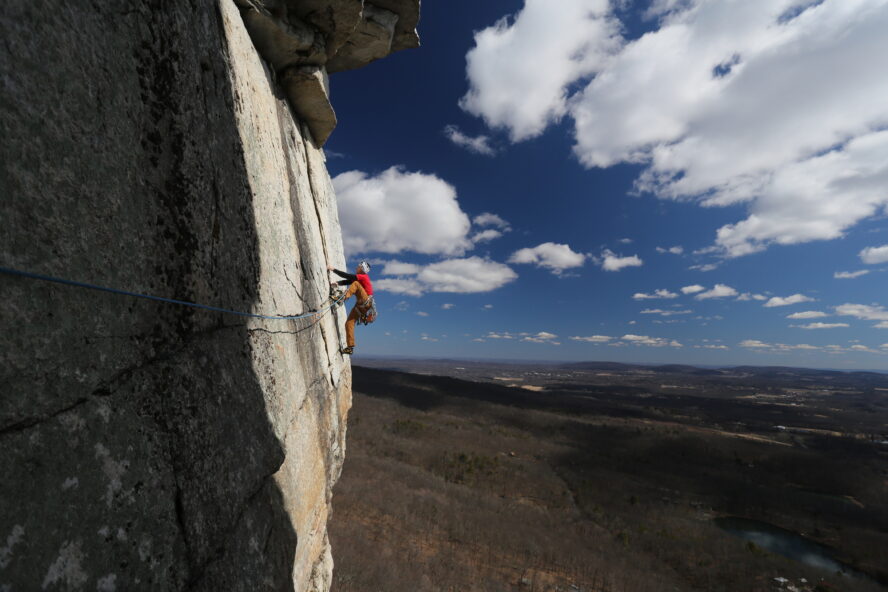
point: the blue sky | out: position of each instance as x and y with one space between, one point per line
656 181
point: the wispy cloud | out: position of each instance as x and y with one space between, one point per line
592 338
477 144
486 235
746 296
489 219
649 341
807 314
666 313
756 344
850 274
657 294
542 337
676 250
821 325
492 227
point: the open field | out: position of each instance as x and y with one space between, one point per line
606 479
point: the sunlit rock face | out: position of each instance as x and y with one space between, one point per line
148 445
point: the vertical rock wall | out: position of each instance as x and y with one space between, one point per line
150 446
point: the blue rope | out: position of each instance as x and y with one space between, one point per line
47 278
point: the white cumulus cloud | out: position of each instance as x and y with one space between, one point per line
692 289
610 261
467 275
674 250
399 286
726 103
821 325
787 301
400 268
399 211
874 255
773 104
552 256
520 67
865 312
477 144
718 291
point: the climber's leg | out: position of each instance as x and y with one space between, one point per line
353 317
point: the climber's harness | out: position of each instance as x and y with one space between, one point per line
367 309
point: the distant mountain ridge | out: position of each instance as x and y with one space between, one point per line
605 366
697 370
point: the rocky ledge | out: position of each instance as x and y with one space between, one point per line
305 40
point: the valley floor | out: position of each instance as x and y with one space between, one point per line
457 485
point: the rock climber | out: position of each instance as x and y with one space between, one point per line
364 309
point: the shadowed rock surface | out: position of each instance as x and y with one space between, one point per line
150 446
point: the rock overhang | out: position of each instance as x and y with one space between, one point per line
305 40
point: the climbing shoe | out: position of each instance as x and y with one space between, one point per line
348 350
335 293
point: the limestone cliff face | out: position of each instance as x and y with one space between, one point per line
153 147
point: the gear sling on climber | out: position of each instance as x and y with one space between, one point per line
364 310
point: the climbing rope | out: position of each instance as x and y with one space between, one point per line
47 278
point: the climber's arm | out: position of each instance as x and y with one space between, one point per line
349 278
